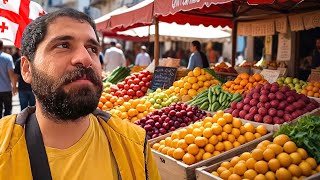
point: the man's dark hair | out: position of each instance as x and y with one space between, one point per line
197 45
112 43
36 31
1 44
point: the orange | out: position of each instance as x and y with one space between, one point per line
219 114
283 174
290 147
249 127
221 169
178 153
303 153
197 132
217 129
175 135
257 77
100 104
234 177
165 150
182 144
249 136
296 158
236 123
243 82
213 140
284 159
310 93
156 146
306 168
236 144
244 75
225 174
240 169
261 130
250 163
182 133
250 174
257 154
241 139
209 148
281 139
309 87
103 99
199 155
161 147
274 164
174 143
234 161
268 154
207 132
170 152
193 149
277 149
215 173
201 141
226 164
219 146
304 91
231 138
245 156
132 112
189 139
295 170
227 128
167 141
261 167
312 162
235 132
108 104
227 145
188 159
206 155
270 175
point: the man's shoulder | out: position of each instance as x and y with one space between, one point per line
6 56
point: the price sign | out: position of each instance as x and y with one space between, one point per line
163 77
270 75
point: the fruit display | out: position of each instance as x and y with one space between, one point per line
306 133
195 82
312 89
134 86
106 87
214 98
168 119
280 159
223 67
118 74
293 83
108 101
272 104
247 64
133 110
160 99
138 68
210 137
243 83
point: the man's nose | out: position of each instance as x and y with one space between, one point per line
82 56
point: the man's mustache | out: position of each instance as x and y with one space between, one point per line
81 73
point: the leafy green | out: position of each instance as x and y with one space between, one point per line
305 133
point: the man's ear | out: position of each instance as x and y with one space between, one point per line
25 67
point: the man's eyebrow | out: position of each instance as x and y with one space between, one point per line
94 42
61 38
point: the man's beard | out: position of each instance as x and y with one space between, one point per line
66 106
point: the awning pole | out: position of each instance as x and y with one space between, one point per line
234 42
156 42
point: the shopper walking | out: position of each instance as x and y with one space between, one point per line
26 96
64 136
6 80
197 58
113 58
143 58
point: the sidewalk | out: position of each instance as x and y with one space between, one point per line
15 104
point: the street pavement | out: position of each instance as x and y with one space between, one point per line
15 104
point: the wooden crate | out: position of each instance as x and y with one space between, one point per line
204 173
172 169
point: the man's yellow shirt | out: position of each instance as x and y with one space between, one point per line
90 158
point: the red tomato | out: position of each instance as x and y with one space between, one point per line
141 83
131 86
144 89
124 92
126 98
141 76
126 87
136 87
148 84
131 92
139 93
136 81
144 79
130 81
149 77
120 85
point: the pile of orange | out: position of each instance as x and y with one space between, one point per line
312 89
133 110
243 83
195 82
280 159
108 101
210 137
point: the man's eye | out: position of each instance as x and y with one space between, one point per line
93 49
63 45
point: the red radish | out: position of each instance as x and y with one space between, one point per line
274 103
242 113
258 118
240 105
267 105
253 110
271 96
253 102
262 111
263 98
280 113
248 117
267 119
235 113
272 112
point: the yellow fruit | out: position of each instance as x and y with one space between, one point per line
257 154
277 149
242 130
215 173
281 139
227 145
261 130
197 132
236 123
192 92
183 91
268 154
283 174
231 138
161 147
249 136
207 125
156 146
168 141
226 164
165 150
207 133
182 144
222 122
250 163
178 153
236 144
228 117
235 132
209 148
141 107
216 128
190 129
234 161
274 164
249 127
200 154
201 141
303 153
260 177
318 168
219 114
225 174
240 169
175 135
188 159
206 155
196 71
241 139
192 80
257 135
295 170
234 177
182 133
270 175
213 140
193 149
170 152
245 156
221 169
290 147
195 86
312 162
224 135
219 146
250 174
162 142
261 167
296 158
284 159
189 139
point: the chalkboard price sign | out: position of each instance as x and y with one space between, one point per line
163 77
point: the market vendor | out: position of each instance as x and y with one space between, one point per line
64 136
197 58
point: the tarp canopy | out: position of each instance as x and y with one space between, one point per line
174 32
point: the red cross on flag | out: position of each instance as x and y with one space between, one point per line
15 15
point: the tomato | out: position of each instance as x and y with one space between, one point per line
144 79
149 77
120 85
139 93
126 98
148 84
136 75
136 81
124 92
141 83
112 93
141 76
144 89
126 87
131 92
136 87
131 86
130 81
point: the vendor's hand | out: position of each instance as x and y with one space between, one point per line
14 91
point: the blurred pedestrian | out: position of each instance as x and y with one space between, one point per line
197 58
6 81
143 58
113 58
26 96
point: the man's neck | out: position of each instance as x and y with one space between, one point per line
61 135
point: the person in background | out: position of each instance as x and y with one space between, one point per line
64 136
143 58
16 55
197 58
6 81
316 55
26 96
113 58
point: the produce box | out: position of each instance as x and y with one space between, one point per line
172 169
224 76
317 99
204 173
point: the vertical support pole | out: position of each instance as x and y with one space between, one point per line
156 42
234 42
